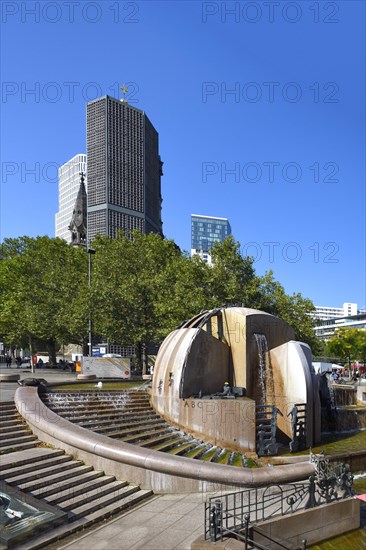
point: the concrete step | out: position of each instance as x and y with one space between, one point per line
43 472
22 439
99 498
93 397
131 424
184 448
139 431
47 480
123 503
55 535
91 422
156 440
18 447
15 426
88 499
6 423
7 406
168 445
77 486
33 467
9 415
20 432
195 453
99 406
28 459
92 401
96 404
102 414
146 435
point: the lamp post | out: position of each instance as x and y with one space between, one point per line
90 252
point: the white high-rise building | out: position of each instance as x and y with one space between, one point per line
324 313
68 187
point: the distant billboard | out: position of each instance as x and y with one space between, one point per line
107 367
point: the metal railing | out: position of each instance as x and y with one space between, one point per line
247 535
229 514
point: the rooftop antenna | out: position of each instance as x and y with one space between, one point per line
124 91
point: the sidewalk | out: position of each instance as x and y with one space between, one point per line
7 389
167 522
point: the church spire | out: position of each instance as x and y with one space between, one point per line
79 216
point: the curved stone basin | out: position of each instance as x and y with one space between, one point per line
147 467
128 416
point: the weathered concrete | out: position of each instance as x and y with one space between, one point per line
361 393
228 544
145 467
228 423
314 525
355 459
86 377
9 377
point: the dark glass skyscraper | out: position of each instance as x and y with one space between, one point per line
124 169
205 231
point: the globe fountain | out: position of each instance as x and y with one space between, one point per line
237 378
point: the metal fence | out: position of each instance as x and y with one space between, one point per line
230 514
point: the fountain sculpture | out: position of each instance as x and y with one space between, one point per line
237 378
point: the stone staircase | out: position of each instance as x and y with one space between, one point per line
14 434
87 495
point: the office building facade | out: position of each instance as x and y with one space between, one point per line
124 169
68 189
327 320
205 232
328 328
324 313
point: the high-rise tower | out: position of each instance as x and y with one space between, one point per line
124 169
205 231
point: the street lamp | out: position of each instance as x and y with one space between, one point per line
90 252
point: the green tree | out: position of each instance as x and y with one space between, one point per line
292 308
143 287
134 288
43 285
231 278
348 344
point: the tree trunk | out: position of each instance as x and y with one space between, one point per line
85 346
31 354
51 348
139 365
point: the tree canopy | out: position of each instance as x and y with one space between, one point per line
348 344
43 284
142 287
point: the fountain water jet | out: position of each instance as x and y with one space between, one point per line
262 354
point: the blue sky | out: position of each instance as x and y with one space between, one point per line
259 108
